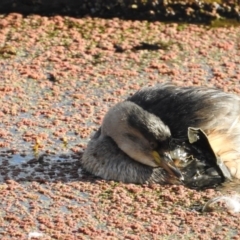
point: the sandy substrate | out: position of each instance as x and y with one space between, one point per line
59 75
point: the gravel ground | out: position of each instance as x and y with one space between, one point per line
59 76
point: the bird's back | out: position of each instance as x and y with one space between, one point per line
214 111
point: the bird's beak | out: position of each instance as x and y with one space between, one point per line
165 161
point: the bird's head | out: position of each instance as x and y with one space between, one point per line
141 135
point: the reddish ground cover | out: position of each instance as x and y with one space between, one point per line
59 75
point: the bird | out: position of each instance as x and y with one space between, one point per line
139 138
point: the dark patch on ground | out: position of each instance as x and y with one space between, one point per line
152 10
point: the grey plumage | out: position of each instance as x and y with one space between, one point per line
104 159
181 107
160 109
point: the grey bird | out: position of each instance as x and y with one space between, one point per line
137 136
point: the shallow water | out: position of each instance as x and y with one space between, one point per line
54 91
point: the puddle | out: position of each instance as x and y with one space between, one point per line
45 167
18 159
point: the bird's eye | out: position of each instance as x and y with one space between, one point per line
131 137
153 145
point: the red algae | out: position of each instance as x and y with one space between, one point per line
59 77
